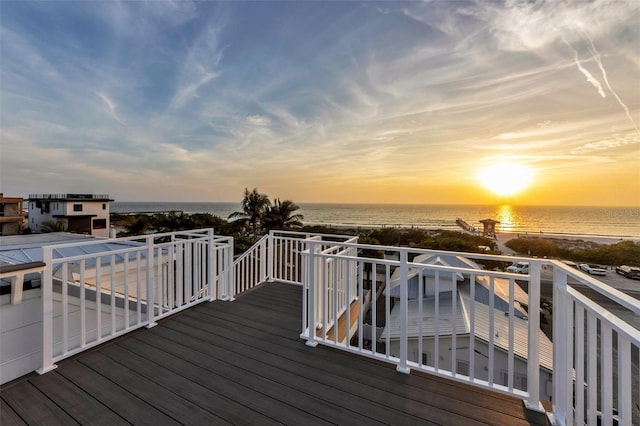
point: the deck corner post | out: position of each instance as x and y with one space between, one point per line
270 247
150 283
229 273
560 345
533 358
404 312
47 312
311 310
211 251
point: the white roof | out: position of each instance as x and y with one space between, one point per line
28 248
414 274
463 325
428 320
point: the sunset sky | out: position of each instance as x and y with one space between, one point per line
373 102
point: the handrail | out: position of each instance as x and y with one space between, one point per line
483 330
116 291
492 329
614 294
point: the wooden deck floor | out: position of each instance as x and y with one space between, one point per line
243 363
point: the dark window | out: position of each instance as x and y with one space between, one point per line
99 223
77 207
104 206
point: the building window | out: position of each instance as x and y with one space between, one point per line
519 380
426 358
77 207
99 223
104 206
462 367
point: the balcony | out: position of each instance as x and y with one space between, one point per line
316 328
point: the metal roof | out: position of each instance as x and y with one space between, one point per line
462 325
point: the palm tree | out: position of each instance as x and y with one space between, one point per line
254 205
137 224
281 215
51 226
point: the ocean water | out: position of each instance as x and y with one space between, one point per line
606 221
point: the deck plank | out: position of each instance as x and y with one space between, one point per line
244 362
344 374
280 396
79 405
34 407
370 374
128 406
234 402
170 403
8 417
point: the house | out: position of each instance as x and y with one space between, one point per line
80 213
11 215
444 319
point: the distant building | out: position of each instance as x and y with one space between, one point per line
81 213
11 215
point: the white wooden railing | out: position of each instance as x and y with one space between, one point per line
277 256
596 353
471 325
106 288
481 343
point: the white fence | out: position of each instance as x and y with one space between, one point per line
480 327
278 257
104 288
596 353
437 312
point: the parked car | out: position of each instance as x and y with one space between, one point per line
593 269
629 271
571 264
519 268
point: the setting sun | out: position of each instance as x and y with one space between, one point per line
505 179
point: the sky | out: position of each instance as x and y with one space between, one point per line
341 101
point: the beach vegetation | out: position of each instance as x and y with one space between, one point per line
53 226
136 224
621 253
540 247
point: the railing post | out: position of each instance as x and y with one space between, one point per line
533 357
560 347
262 259
229 275
47 312
211 263
270 250
150 284
404 313
311 293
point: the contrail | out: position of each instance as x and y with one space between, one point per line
590 78
111 106
596 57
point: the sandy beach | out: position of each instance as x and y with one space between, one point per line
503 237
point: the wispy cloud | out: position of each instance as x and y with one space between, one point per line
111 106
178 94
